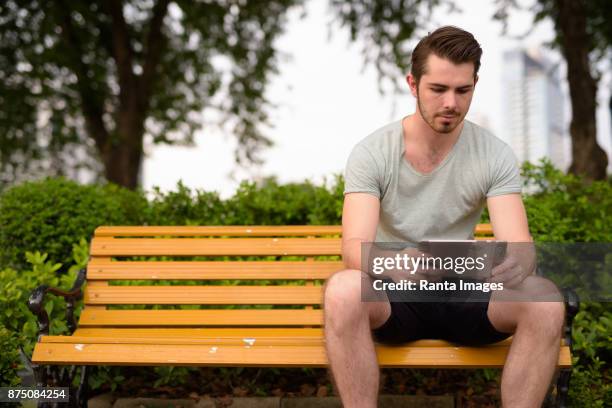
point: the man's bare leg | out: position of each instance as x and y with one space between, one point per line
348 339
533 356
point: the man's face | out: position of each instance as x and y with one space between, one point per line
444 92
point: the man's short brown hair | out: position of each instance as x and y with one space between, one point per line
448 42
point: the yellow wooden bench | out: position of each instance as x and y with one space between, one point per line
289 334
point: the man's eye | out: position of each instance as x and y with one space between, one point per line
462 91
437 90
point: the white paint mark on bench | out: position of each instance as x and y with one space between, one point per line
79 347
249 341
213 349
249 230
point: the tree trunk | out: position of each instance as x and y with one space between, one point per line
124 150
122 153
588 158
122 165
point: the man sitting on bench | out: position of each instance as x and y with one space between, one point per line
428 176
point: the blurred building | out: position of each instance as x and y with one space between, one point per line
481 119
533 108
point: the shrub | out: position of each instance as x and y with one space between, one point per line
51 215
18 326
591 382
564 208
9 359
184 207
288 204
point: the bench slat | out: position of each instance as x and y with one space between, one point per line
234 341
241 317
262 356
236 333
484 230
236 230
99 270
198 332
227 333
215 246
243 340
233 230
204 295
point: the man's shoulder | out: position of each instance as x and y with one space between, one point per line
383 138
483 139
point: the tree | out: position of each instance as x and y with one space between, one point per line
97 77
104 74
584 35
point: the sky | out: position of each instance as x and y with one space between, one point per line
327 102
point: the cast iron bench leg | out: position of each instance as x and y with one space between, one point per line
563 388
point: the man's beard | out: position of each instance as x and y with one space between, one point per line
431 120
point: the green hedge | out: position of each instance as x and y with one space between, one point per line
53 214
57 217
267 203
566 209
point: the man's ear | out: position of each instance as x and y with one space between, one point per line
412 84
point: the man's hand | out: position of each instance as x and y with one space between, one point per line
510 272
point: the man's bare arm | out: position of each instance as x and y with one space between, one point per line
509 221
508 218
359 220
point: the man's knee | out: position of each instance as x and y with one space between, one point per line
346 301
342 301
539 289
544 317
343 290
546 309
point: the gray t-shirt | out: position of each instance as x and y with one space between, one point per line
444 204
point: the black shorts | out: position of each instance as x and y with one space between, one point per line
463 322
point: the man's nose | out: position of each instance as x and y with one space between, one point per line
450 100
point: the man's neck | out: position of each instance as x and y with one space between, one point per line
425 148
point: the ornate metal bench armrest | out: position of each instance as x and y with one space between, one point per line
37 298
572 305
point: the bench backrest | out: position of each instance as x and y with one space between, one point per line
266 275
